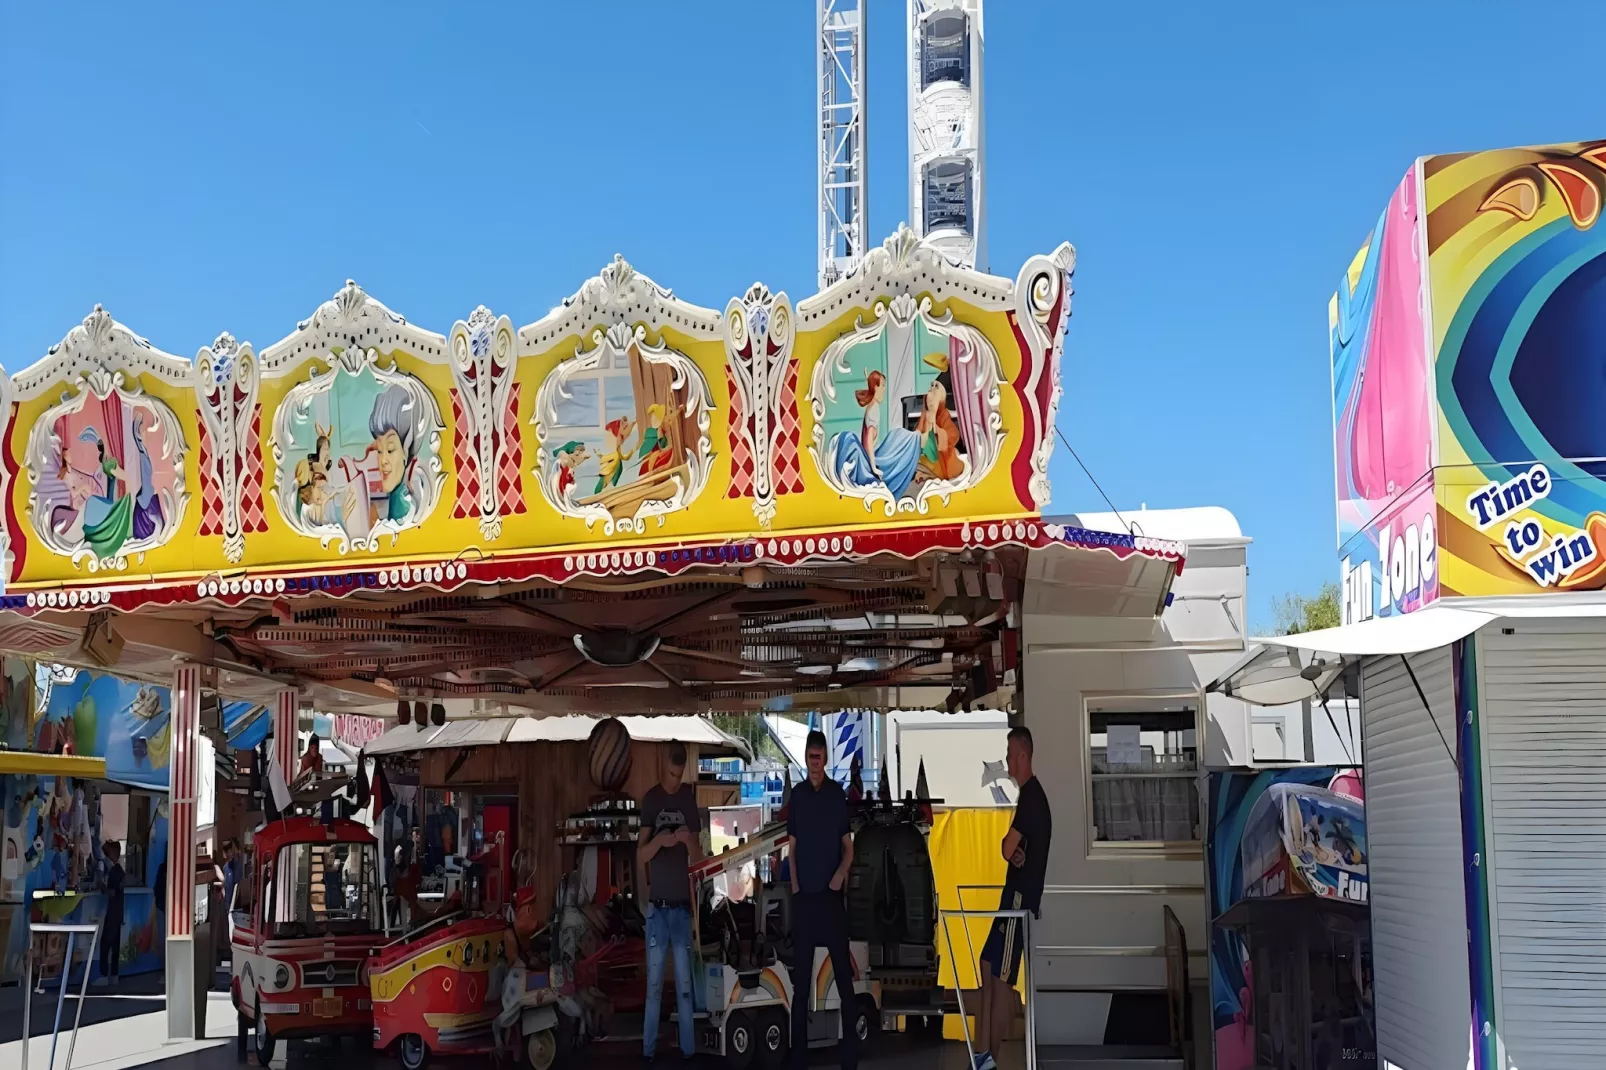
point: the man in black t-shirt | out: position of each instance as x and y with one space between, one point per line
1025 847
669 842
821 848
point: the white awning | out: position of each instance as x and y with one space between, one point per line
1281 669
1291 668
1412 633
406 738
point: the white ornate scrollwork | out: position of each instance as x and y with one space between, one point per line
482 366
619 294
759 332
1042 310
679 485
226 381
984 372
93 351
60 501
904 263
421 480
351 321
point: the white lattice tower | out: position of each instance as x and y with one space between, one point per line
843 188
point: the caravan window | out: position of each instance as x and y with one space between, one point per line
1143 765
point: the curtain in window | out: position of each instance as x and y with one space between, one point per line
1147 808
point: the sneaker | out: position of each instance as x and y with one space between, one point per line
99 982
984 1061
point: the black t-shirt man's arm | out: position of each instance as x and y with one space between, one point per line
1028 825
1012 848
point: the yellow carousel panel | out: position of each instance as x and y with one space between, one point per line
913 396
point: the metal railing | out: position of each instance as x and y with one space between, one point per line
71 931
1143 951
1174 951
1029 1003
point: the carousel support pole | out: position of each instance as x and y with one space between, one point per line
286 742
182 982
286 739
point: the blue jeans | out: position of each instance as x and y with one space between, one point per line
669 929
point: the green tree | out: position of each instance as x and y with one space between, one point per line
1295 613
747 727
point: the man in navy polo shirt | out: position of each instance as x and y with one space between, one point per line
821 843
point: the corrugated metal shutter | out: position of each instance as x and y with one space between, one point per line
1413 833
1543 714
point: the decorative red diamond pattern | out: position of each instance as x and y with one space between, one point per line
468 467
211 497
509 482
253 517
788 470
743 469
509 475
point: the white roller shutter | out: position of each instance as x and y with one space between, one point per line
1543 714
1413 832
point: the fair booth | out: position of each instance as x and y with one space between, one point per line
1472 509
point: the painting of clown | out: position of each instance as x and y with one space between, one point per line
629 427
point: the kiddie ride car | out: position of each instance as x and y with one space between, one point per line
744 987
457 984
302 939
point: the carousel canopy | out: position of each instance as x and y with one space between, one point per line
406 739
632 504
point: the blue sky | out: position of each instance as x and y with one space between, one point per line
228 166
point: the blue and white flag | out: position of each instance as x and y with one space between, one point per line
848 734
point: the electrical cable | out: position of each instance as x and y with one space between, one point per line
1406 661
1086 471
1334 723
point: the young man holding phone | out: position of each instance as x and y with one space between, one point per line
668 844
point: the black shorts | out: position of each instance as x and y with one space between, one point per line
1005 944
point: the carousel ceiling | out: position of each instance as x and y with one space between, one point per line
632 504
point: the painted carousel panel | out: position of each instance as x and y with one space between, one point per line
625 425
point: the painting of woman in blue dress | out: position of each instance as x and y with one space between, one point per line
875 455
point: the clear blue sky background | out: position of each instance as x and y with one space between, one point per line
208 167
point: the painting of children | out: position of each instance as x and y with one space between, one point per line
632 428
569 457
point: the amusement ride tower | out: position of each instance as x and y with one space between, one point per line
946 172
843 187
